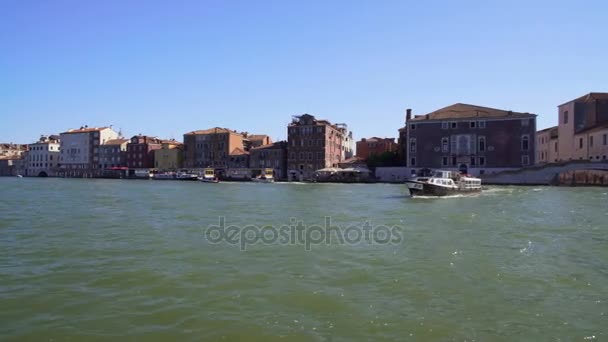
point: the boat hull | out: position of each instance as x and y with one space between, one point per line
426 189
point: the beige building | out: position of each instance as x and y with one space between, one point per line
42 158
170 156
582 128
547 145
80 150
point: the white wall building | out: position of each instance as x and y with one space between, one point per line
80 149
42 158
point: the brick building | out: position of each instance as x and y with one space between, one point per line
212 147
140 151
312 145
471 139
375 146
269 156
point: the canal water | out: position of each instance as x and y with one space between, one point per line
168 260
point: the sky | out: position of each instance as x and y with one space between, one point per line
164 68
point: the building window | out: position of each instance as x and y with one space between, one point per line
565 117
605 139
472 161
473 124
453 161
454 124
413 145
591 141
413 126
580 143
444 161
555 146
413 161
445 125
482 144
525 160
482 161
525 143
525 122
481 124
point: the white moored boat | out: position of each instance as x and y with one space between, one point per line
443 183
267 176
209 176
186 176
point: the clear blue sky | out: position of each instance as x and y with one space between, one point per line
166 68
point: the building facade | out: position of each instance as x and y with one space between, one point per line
582 128
471 139
80 149
42 158
312 145
272 156
170 157
12 150
140 151
547 145
348 144
113 153
257 140
212 147
375 146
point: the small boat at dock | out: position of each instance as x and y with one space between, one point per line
443 183
267 176
209 176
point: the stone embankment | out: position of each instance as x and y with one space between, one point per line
549 174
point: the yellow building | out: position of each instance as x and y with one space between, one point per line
170 157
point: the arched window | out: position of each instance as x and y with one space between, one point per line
525 143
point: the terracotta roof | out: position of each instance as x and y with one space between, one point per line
589 97
593 129
213 130
465 111
174 142
257 136
13 157
547 129
116 141
238 151
85 130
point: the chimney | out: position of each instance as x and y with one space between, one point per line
408 115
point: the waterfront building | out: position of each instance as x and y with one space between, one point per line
10 149
42 157
113 153
547 145
11 165
80 149
583 128
140 151
472 139
313 144
348 144
212 147
170 157
402 141
238 159
375 146
272 156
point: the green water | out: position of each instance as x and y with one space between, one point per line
130 260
